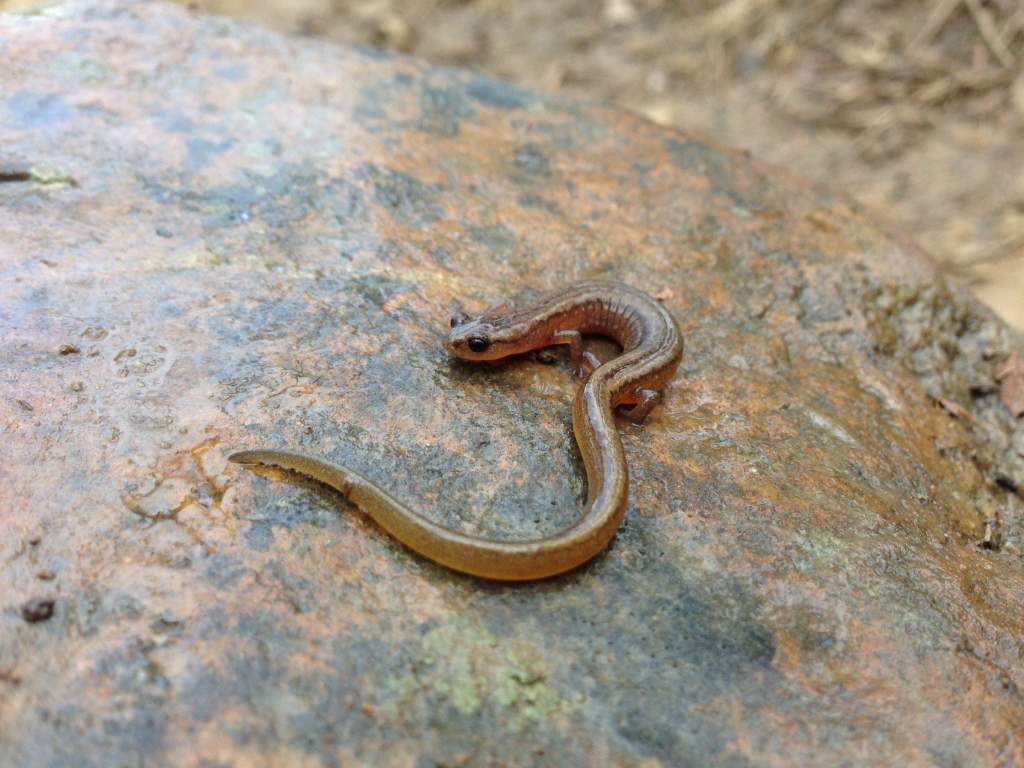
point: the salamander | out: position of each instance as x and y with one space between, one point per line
630 383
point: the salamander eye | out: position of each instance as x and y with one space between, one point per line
478 344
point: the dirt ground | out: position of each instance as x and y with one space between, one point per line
914 107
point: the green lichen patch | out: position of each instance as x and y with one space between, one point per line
474 672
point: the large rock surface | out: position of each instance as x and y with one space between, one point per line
214 237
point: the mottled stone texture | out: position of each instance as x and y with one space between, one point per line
214 237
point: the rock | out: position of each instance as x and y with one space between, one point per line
262 244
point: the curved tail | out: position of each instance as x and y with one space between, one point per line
607 490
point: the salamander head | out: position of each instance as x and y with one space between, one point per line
482 338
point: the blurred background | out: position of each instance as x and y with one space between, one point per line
914 107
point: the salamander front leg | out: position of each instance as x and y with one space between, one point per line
646 399
583 362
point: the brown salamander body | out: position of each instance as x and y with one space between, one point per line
651 351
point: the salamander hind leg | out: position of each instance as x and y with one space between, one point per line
588 362
646 399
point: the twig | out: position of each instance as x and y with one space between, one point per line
730 18
936 21
1001 250
1013 26
987 28
881 123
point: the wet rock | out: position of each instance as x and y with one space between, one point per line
162 502
822 555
